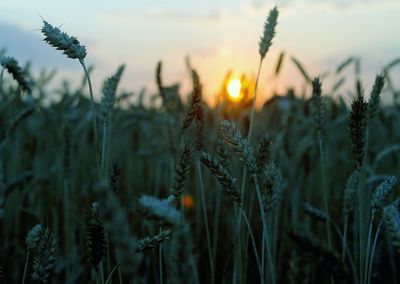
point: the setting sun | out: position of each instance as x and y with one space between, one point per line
234 90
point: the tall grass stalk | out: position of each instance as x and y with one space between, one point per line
94 113
253 105
371 223
101 272
26 267
217 215
253 243
371 259
160 266
265 240
324 185
203 202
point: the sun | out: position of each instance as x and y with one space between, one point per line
234 90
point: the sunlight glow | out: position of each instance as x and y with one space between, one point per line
233 88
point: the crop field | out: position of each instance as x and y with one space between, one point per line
117 190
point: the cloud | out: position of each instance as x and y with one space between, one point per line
340 4
175 14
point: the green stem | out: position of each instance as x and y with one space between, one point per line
101 272
254 102
93 107
360 226
250 134
265 239
260 268
371 259
368 245
203 201
109 278
344 240
25 267
216 224
346 249
160 260
246 239
103 152
324 185
1 81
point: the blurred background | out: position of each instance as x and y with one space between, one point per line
217 35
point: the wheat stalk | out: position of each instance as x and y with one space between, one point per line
71 47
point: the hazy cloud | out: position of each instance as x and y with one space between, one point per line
341 4
183 15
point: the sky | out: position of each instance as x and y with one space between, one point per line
217 35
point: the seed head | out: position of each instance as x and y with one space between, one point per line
272 194
269 32
96 240
391 215
109 90
11 65
382 192
374 99
62 41
33 237
357 128
182 170
317 104
349 196
154 241
195 107
263 152
43 262
239 144
228 183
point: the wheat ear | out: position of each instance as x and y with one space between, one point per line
11 65
154 241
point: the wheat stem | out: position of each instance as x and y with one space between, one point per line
254 101
101 271
344 239
93 107
103 168
371 260
203 201
265 239
260 268
324 185
25 267
160 260
371 222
